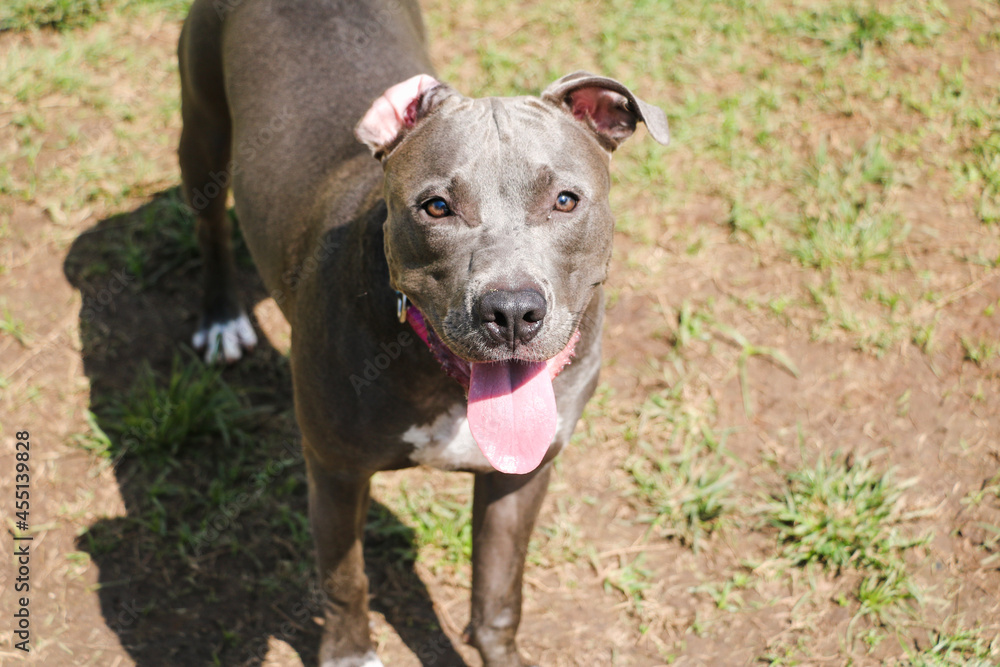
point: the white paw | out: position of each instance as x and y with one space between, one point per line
225 340
367 660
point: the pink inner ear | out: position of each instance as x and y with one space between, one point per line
605 107
397 108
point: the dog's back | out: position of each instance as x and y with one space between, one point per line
294 77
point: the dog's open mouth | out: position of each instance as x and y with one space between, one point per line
512 407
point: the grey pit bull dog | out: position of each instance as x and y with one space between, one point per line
445 297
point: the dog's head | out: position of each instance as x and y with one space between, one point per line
499 228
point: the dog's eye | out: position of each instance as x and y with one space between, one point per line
437 208
566 202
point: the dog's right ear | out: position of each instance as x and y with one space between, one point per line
606 107
398 109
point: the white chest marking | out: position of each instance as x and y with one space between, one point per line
447 443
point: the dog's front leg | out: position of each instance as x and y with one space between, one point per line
338 506
503 515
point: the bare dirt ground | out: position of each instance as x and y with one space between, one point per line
896 361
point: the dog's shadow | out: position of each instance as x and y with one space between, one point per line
213 563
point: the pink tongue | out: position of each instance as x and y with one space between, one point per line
512 413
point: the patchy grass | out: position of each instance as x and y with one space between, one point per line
840 513
66 15
983 169
58 14
844 514
846 216
828 205
168 227
163 418
631 580
12 326
727 595
980 351
559 539
959 648
94 440
986 499
687 493
846 28
439 517
98 150
679 465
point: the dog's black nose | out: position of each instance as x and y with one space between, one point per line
512 317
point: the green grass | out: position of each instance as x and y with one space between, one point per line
989 496
980 351
167 227
139 249
64 15
984 167
101 141
681 474
840 513
846 28
58 14
94 440
13 327
847 219
693 325
990 490
560 539
392 539
631 580
957 648
873 321
886 597
726 595
845 515
164 417
687 493
184 437
441 521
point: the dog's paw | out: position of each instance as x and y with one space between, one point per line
225 341
367 660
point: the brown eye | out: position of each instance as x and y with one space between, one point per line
437 208
566 202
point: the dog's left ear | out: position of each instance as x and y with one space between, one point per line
607 107
397 110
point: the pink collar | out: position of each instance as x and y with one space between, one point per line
452 364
